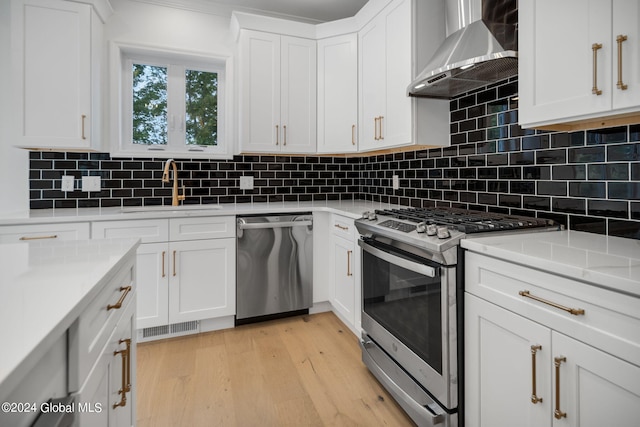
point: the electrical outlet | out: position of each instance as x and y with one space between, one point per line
396 182
67 183
246 183
91 183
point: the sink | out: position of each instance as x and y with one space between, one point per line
169 208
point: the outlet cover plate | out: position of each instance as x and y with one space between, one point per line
246 183
68 183
91 183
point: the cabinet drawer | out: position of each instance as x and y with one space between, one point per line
148 231
202 228
17 233
611 320
342 226
89 333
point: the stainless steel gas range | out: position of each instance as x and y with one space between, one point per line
412 296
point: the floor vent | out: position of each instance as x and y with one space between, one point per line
168 331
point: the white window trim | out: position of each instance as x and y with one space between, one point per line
121 57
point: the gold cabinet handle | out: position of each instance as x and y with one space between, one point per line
125 291
620 39
574 311
375 128
83 119
163 254
381 131
353 134
174 263
341 227
126 373
284 135
595 47
558 413
277 135
349 273
53 236
534 397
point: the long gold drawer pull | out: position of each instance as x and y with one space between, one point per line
595 47
127 383
534 397
125 291
277 135
353 134
558 413
349 273
574 311
122 392
620 39
83 119
174 263
341 227
53 236
163 254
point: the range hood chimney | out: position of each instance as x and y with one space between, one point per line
480 48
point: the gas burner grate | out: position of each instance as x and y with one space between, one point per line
466 221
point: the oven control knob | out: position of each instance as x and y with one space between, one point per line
431 230
421 227
443 233
365 215
372 216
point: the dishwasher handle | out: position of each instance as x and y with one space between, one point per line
254 226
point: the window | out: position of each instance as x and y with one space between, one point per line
172 103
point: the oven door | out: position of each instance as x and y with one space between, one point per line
409 310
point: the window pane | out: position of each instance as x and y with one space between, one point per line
201 108
149 104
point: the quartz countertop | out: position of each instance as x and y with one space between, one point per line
606 261
349 208
45 286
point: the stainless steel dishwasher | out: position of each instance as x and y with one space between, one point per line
274 267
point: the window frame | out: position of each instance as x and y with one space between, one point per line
123 58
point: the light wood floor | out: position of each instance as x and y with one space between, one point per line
300 371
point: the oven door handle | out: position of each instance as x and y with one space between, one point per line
396 260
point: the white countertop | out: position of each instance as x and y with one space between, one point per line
605 261
45 286
350 208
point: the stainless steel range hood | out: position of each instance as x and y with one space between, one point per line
481 48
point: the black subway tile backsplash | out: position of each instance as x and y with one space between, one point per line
584 180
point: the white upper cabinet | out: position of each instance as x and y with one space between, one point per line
338 94
56 57
579 63
277 93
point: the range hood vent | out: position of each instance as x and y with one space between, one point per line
475 55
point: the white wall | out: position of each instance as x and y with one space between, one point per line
14 162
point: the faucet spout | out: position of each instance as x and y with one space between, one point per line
176 197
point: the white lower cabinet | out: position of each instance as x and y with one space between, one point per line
186 267
528 363
346 272
53 231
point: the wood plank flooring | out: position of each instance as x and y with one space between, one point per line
299 371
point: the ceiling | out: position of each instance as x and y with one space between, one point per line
313 11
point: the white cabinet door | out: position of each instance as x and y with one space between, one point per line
626 15
338 94
152 279
277 93
344 284
385 72
596 389
54 75
298 102
371 42
499 367
259 91
202 282
396 123
556 65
